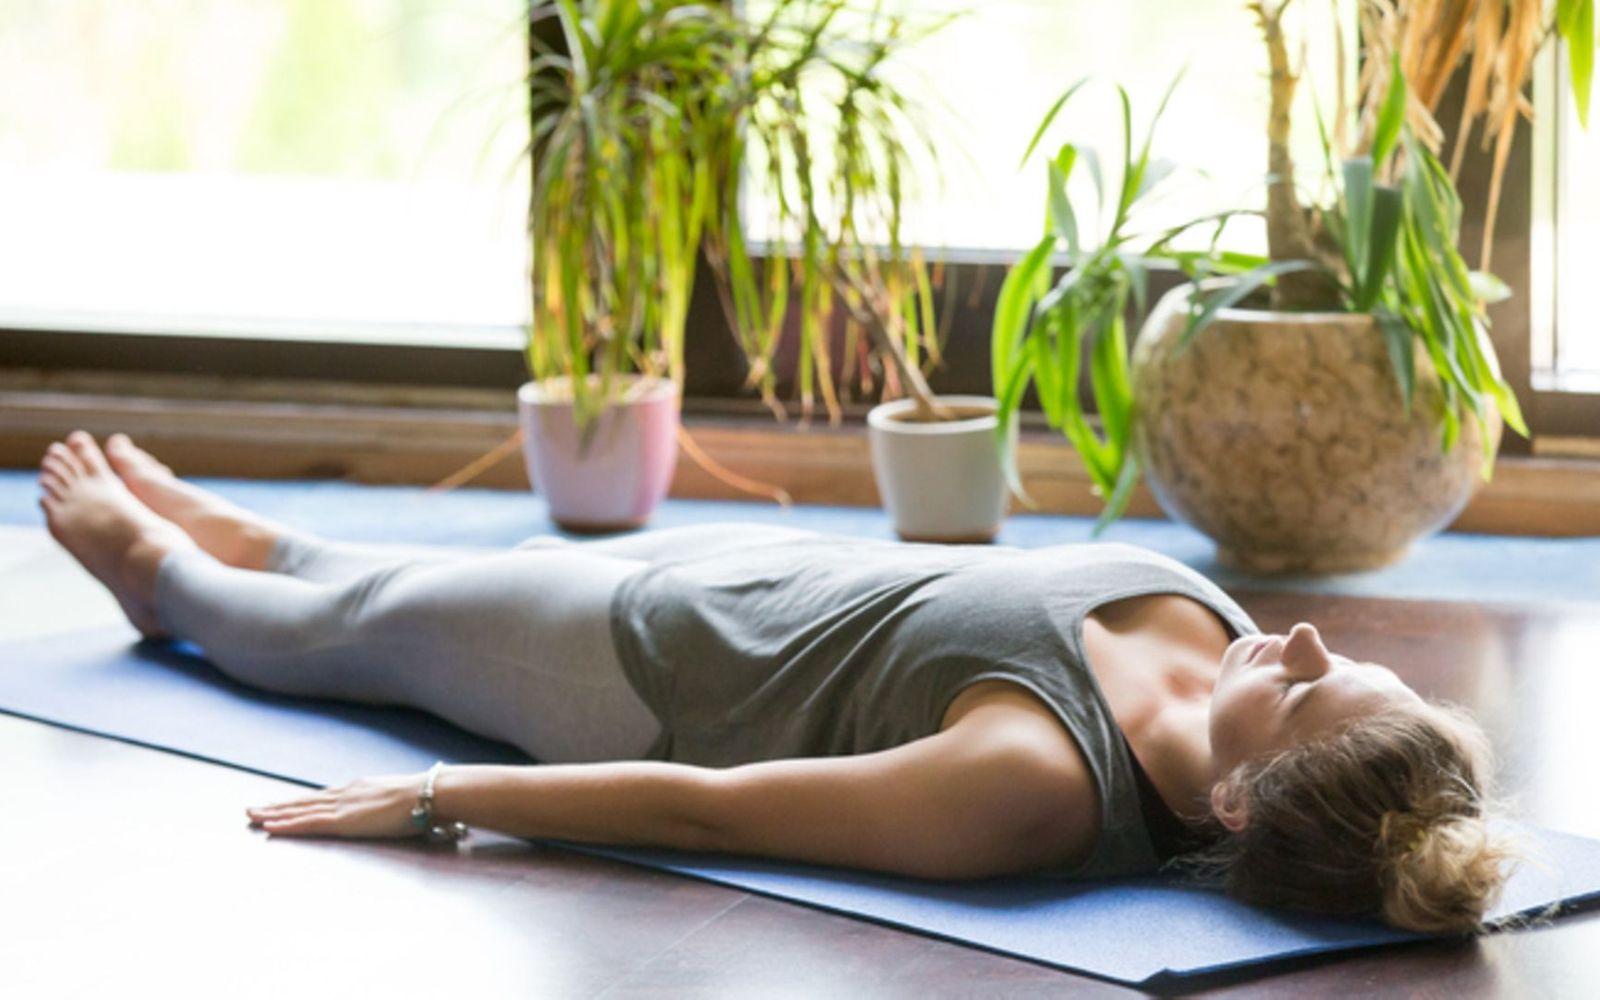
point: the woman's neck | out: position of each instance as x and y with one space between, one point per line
1157 660
1174 747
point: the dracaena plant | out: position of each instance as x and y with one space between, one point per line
837 145
1045 327
647 117
1388 244
622 184
1400 262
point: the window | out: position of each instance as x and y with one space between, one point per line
318 169
986 79
1566 226
251 173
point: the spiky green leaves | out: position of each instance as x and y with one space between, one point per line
1065 334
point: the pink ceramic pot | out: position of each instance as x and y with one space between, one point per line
617 482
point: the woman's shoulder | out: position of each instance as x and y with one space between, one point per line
1049 763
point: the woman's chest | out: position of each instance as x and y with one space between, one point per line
1147 652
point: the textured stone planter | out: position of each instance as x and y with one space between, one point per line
940 481
1283 437
614 483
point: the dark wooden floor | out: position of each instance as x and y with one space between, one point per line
132 871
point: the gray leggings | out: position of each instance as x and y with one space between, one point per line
510 644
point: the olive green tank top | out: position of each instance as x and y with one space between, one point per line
816 645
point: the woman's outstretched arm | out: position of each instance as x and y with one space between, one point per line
967 802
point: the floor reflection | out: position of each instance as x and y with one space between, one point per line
1552 753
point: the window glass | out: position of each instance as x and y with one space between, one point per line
294 168
985 80
1576 355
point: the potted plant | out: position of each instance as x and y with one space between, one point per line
647 118
621 187
1320 408
837 145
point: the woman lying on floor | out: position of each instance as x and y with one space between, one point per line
935 711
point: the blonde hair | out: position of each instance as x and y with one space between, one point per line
1384 817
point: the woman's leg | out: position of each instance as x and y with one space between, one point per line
515 646
311 558
242 538
319 560
657 544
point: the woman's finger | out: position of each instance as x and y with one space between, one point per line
259 816
282 814
315 807
318 799
317 822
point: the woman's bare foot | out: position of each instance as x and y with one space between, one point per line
105 527
231 534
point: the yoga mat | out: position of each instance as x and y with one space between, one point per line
1146 932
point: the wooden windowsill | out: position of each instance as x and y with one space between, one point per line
400 434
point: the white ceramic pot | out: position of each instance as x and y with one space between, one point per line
615 482
941 482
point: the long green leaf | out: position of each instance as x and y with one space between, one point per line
1117 502
1236 292
1131 169
1397 337
1356 224
1487 288
1048 372
1050 116
1108 374
1009 398
1575 22
1157 171
1388 211
1091 163
1062 218
1391 114
1017 295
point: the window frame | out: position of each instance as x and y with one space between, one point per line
1563 405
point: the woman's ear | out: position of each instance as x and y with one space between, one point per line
1228 805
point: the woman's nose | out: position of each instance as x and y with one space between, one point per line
1304 655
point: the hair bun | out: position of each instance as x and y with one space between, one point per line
1401 833
1442 874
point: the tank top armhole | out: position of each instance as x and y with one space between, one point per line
1092 764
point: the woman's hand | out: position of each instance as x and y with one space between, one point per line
371 807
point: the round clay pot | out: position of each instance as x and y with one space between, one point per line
940 481
1284 437
615 480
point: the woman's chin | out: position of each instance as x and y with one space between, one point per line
1236 653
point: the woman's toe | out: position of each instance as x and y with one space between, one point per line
65 459
89 453
130 459
56 465
52 484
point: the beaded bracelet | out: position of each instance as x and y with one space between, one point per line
422 813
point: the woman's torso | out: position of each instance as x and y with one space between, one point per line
1149 654
826 645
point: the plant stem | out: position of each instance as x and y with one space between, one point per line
872 319
1289 231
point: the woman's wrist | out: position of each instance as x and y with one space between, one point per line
454 790
425 815
614 802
